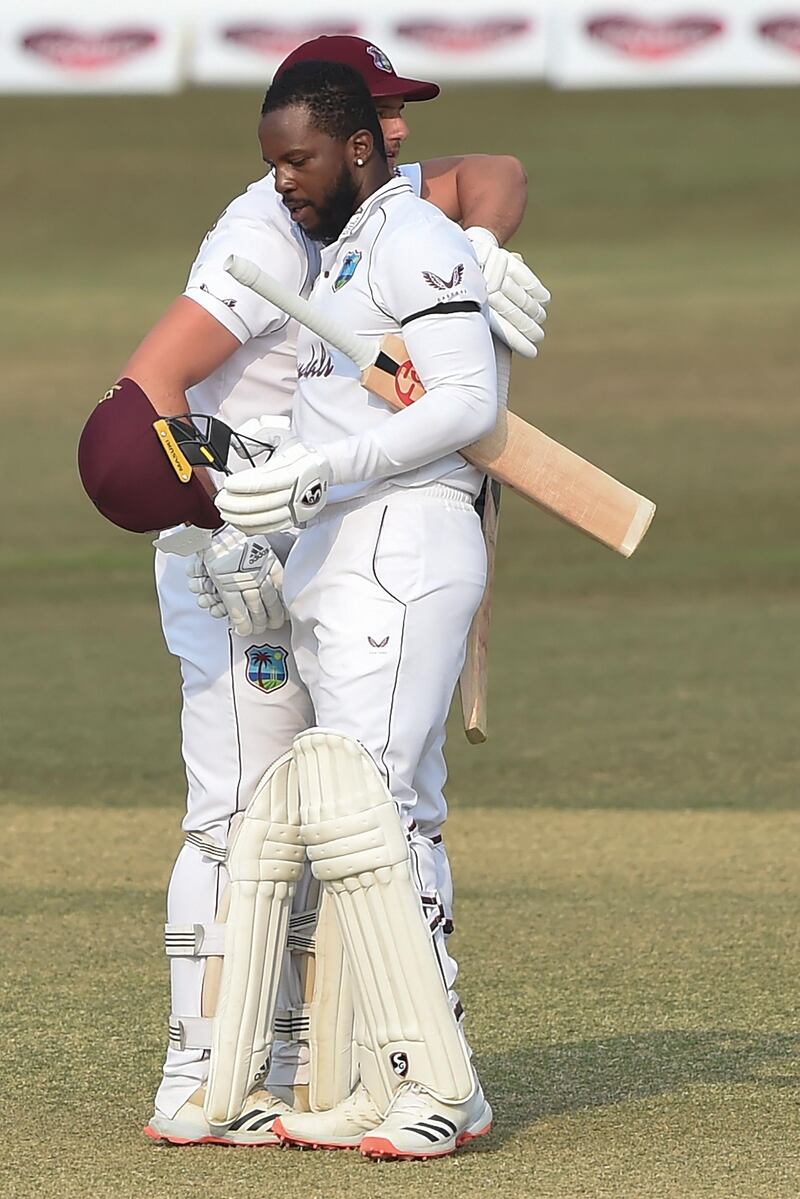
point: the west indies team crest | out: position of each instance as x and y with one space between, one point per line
267 667
351 261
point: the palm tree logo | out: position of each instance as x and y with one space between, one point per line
267 668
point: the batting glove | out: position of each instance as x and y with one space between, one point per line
239 578
517 298
285 493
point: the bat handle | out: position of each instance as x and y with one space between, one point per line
502 357
362 350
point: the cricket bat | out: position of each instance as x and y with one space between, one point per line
473 685
516 454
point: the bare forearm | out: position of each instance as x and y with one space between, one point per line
493 193
489 190
184 348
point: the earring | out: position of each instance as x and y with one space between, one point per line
359 162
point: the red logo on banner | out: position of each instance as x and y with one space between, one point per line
280 40
460 37
641 38
89 51
784 30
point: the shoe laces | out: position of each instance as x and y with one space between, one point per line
410 1099
360 1103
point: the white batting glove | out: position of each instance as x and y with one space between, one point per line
238 578
282 494
517 298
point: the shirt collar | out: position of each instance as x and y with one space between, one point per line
397 186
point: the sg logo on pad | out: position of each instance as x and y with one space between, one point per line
399 1063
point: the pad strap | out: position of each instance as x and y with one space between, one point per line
292 1024
302 929
194 940
190 1032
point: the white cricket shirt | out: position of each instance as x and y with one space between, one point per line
400 266
260 378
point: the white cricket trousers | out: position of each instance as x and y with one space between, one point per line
381 593
243 703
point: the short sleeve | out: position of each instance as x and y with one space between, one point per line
244 313
424 267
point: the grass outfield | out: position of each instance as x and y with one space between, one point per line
625 846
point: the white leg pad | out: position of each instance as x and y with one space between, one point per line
265 862
334 1071
358 849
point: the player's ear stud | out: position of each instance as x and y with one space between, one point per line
359 162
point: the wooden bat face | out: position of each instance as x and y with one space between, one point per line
392 376
529 462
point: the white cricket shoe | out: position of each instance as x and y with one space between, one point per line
189 1125
417 1125
340 1128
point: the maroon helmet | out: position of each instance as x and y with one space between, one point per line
365 57
133 469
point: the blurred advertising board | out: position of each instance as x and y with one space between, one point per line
695 42
469 40
161 45
466 39
241 41
86 47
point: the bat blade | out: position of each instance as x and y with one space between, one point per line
473 684
529 462
474 681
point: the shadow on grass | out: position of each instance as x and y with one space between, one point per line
530 1083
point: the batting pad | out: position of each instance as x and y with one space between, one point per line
406 1031
333 1067
265 863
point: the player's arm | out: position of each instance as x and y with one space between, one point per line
452 354
186 346
485 190
487 194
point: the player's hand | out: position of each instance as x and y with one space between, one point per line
283 494
517 298
239 578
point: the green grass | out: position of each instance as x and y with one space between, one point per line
626 844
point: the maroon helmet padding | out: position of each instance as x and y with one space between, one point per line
364 57
126 473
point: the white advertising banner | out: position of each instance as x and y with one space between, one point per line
86 47
244 42
666 44
465 40
455 39
160 45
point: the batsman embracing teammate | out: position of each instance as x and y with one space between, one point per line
220 350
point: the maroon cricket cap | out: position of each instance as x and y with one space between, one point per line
127 473
365 57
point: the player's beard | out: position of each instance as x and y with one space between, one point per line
335 210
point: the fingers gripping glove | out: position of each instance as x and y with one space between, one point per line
239 578
517 298
286 492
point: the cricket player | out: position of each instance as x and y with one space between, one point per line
222 351
381 588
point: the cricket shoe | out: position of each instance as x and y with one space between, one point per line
417 1125
189 1125
342 1127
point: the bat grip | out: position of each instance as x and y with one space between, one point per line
502 356
361 350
